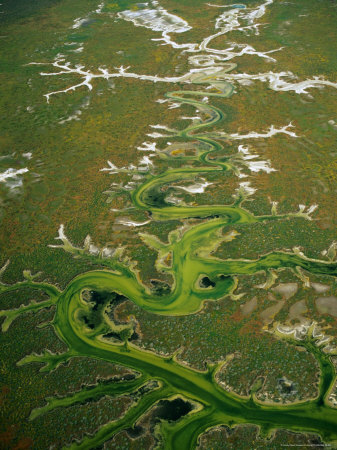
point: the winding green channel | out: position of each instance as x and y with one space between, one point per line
187 257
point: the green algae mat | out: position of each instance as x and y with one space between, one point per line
189 298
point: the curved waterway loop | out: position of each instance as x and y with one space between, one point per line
188 251
218 406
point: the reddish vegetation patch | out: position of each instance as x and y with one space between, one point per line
23 444
3 394
237 316
8 436
254 326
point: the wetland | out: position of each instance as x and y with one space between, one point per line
178 151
